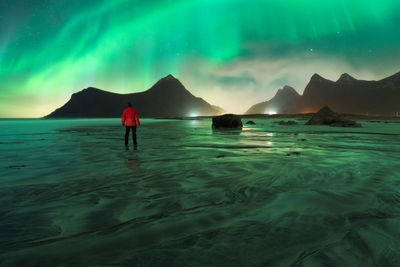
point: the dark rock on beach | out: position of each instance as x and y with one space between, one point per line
346 123
227 121
325 116
287 123
295 153
16 166
251 122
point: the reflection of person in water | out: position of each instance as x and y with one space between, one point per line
132 164
131 118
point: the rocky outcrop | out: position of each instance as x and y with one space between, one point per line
325 116
227 121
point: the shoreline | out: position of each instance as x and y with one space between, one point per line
290 116
243 116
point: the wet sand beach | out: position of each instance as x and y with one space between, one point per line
269 195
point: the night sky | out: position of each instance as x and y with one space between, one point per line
231 53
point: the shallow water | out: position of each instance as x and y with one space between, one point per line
269 195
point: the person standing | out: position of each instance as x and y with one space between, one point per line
131 118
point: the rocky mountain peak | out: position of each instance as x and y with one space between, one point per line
317 77
345 77
91 89
168 83
286 91
169 77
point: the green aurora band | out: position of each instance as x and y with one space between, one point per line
231 53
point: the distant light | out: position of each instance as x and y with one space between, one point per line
194 122
193 114
311 49
270 112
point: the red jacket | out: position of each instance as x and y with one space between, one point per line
131 117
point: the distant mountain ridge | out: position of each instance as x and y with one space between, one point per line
346 95
166 98
283 101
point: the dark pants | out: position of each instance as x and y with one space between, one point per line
133 134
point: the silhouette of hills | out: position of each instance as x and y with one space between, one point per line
283 102
167 98
346 95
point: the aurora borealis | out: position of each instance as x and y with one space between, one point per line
231 53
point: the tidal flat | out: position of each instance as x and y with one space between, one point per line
269 195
